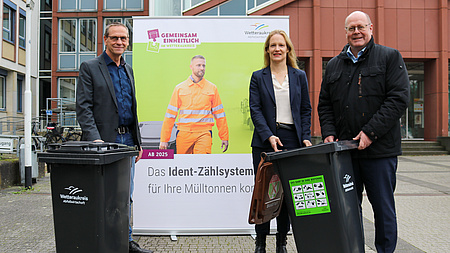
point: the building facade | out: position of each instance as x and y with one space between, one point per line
419 29
13 62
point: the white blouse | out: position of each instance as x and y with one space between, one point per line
282 101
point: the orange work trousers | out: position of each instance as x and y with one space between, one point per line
194 142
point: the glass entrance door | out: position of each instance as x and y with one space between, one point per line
412 122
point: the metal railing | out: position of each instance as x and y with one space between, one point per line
11 125
61 111
58 110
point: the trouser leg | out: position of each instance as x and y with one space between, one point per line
378 177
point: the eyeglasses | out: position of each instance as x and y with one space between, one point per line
360 28
115 38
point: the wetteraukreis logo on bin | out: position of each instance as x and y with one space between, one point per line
72 196
348 185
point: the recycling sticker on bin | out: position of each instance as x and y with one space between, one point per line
309 196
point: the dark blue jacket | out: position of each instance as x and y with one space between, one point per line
263 107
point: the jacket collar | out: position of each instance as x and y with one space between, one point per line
200 83
268 84
343 55
108 60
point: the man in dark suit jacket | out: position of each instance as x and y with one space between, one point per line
106 101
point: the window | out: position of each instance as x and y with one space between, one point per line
46 5
127 55
167 7
412 122
2 92
77 42
237 7
257 3
233 8
229 8
20 93
9 14
66 88
22 29
123 5
87 37
66 91
67 35
45 45
77 5
187 4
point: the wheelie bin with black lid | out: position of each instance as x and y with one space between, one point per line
320 192
90 185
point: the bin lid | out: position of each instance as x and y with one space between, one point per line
87 147
86 152
321 148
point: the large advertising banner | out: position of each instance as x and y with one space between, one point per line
179 194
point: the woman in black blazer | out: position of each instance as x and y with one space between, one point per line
281 113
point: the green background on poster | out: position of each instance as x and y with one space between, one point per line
228 65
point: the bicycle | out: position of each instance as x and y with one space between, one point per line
36 135
55 134
72 135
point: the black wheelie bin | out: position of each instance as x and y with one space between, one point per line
90 185
320 192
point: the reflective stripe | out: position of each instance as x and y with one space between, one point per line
205 112
217 108
173 108
220 115
168 115
207 120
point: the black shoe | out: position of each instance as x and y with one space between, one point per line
281 243
260 243
134 247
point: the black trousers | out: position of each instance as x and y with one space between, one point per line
289 140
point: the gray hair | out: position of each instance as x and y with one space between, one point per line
114 24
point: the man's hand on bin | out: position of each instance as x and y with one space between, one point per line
224 146
163 145
329 139
364 140
307 143
274 141
139 156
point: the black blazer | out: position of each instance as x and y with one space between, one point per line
263 107
96 106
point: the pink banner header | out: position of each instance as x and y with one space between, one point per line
157 154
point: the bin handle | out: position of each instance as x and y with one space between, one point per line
263 155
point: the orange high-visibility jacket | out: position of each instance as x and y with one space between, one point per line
196 105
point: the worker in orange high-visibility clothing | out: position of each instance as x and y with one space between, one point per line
196 102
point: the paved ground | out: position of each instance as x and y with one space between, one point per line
422 195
